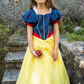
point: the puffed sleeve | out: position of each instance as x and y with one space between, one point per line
55 16
29 18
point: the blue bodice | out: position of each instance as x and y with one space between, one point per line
43 27
42 24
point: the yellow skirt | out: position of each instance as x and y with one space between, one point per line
43 70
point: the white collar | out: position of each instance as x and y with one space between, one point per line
35 9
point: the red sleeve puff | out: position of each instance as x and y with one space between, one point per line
29 18
55 16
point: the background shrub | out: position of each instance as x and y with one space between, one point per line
79 32
71 9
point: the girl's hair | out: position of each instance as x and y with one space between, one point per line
49 4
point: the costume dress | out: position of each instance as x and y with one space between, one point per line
43 70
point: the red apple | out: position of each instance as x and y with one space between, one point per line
39 53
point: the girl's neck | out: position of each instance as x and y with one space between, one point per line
41 6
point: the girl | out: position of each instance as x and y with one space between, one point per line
42 27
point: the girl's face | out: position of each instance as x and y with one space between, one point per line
40 1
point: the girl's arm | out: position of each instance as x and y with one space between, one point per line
30 40
56 35
56 41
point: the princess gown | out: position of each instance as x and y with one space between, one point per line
43 70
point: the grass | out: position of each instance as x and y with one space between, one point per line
72 38
75 36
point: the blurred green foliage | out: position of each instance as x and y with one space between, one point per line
77 35
6 30
82 23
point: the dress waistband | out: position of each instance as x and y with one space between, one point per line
40 36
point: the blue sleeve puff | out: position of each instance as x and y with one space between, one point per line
29 18
55 16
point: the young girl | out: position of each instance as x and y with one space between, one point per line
43 34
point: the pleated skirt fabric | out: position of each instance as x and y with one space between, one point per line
43 70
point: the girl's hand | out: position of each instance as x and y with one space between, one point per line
55 54
34 54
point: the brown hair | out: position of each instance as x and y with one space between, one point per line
49 4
